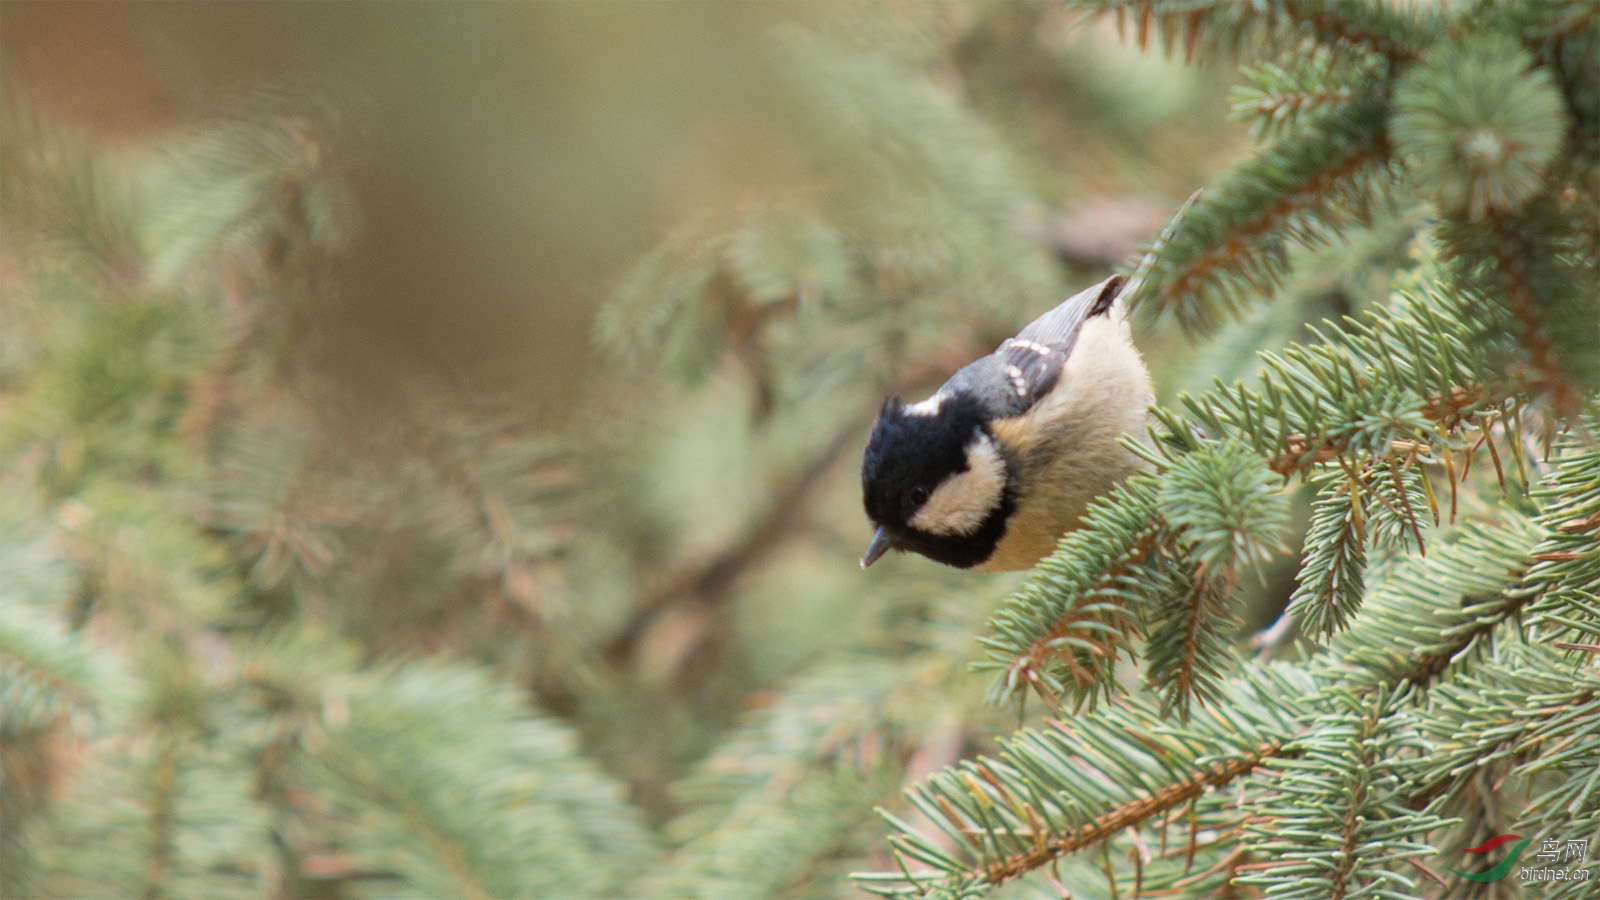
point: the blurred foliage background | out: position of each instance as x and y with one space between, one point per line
301 384
430 432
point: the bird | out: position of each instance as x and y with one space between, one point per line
991 470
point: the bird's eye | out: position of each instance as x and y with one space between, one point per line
919 495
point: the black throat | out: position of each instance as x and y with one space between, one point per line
964 550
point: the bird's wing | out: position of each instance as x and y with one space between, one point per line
1011 380
1028 365
1060 326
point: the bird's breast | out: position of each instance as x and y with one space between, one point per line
1066 450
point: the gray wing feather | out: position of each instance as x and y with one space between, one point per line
1061 325
1002 387
1009 381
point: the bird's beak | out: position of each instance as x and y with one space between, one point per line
882 542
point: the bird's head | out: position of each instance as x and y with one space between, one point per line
935 481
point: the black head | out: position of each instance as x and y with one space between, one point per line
936 450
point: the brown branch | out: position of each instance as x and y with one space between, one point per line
1273 104
1130 814
1332 27
1327 25
1193 629
711 584
1353 821
1026 665
1299 454
1268 220
1451 409
161 824
704 587
1429 667
1510 255
1302 451
1234 862
1579 526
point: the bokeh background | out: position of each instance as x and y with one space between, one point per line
440 422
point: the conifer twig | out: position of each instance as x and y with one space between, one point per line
1233 252
1428 666
1511 257
711 584
1132 814
1026 665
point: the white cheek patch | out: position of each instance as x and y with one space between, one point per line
962 501
928 407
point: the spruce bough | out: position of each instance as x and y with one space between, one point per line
1468 389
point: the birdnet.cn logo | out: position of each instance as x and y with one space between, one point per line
1557 860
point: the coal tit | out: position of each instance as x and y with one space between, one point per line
991 470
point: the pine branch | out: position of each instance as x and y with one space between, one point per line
1226 516
1280 99
805 774
1407 374
164 787
815 817
1431 613
265 185
817 720
156 809
1187 648
1419 621
1337 823
1565 36
1526 720
908 226
47 676
1480 125
457 787
168 816
1074 612
995 809
1203 27
1562 743
1500 712
712 584
1330 585
1136 813
677 305
1566 563
53 685
284 679
1232 244
57 189
1524 272
272 508
1073 785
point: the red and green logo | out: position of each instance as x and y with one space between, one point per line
1502 870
